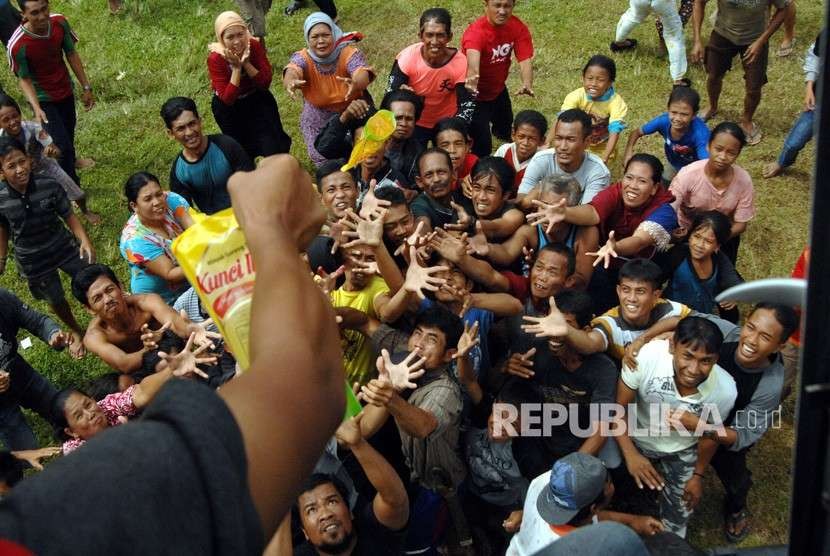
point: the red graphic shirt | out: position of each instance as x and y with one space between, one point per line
496 44
40 58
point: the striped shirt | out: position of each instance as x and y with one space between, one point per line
34 221
40 58
618 333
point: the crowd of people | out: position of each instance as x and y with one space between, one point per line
467 292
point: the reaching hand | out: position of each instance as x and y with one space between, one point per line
401 375
327 282
33 457
185 363
293 86
478 244
420 278
356 110
448 246
469 339
646 526
631 352
378 392
76 346
644 473
372 204
467 187
348 433
366 230
60 340
547 215
606 252
416 240
350 92
521 364
552 326
203 336
471 84
150 338
463 219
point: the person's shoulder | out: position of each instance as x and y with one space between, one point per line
57 19
577 96
477 25
408 52
654 352
693 170
377 284
595 163
544 156
503 149
742 177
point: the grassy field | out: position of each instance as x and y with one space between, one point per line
157 49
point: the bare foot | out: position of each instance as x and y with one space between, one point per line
707 114
93 217
772 169
84 163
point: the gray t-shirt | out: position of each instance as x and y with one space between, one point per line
592 175
743 21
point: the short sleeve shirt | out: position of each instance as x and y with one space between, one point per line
34 221
438 214
618 333
593 175
694 193
607 113
743 21
496 44
508 152
692 146
40 58
114 406
140 245
435 85
655 386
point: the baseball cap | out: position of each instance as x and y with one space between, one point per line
575 481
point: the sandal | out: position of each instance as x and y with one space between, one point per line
754 136
293 7
731 521
784 51
626 44
707 114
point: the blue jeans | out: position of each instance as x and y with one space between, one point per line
29 389
800 135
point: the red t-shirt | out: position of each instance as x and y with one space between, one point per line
800 271
466 167
496 44
40 58
220 74
435 85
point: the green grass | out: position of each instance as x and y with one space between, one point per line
157 49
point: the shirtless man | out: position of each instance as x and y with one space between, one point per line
125 327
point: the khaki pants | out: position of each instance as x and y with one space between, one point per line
790 354
254 12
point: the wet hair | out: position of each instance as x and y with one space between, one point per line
532 118
9 145
402 95
603 62
517 391
7 101
101 387
641 270
562 249
438 15
451 124
784 314
11 469
445 321
698 332
651 160
394 195
82 281
576 303
174 107
564 185
687 95
59 422
432 150
136 182
326 169
576 115
497 167
713 220
730 128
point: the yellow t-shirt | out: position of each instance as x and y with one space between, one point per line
358 356
607 113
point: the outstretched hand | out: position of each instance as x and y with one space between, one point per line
348 433
547 215
401 375
372 204
468 340
606 252
553 325
366 230
150 338
33 457
416 239
327 282
419 278
185 363
463 220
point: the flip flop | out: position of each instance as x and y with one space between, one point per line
708 116
731 520
784 51
626 44
754 137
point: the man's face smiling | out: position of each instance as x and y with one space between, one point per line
692 365
637 299
325 518
187 130
759 339
488 195
338 193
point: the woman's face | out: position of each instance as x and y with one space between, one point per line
702 243
150 203
235 39
638 185
724 149
10 120
320 40
84 417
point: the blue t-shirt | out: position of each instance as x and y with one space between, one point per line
689 148
480 354
140 245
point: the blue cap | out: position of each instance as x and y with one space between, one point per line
576 480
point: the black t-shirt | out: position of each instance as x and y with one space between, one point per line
373 538
172 482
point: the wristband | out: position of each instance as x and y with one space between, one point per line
696 474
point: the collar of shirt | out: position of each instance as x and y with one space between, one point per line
606 96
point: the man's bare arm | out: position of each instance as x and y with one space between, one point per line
96 342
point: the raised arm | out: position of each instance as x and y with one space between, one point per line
123 362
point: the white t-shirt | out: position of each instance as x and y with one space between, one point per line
592 175
536 533
654 382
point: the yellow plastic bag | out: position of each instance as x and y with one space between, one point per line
377 130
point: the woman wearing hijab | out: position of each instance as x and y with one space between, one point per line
240 75
330 72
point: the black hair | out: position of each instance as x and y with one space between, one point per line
576 115
641 270
22 4
517 391
394 195
687 95
136 182
86 277
402 95
497 167
445 321
174 107
651 160
8 101
451 124
10 144
429 151
603 62
315 480
438 15
585 511
730 128
11 469
576 303
532 118
326 169
59 422
716 221
168 343
101 387
784 314
698 332
562 249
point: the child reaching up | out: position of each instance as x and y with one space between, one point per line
43 150
598 98
685 135
529 129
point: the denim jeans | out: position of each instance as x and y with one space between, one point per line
29 389
800 135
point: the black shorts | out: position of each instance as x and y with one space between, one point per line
47 287
719 55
